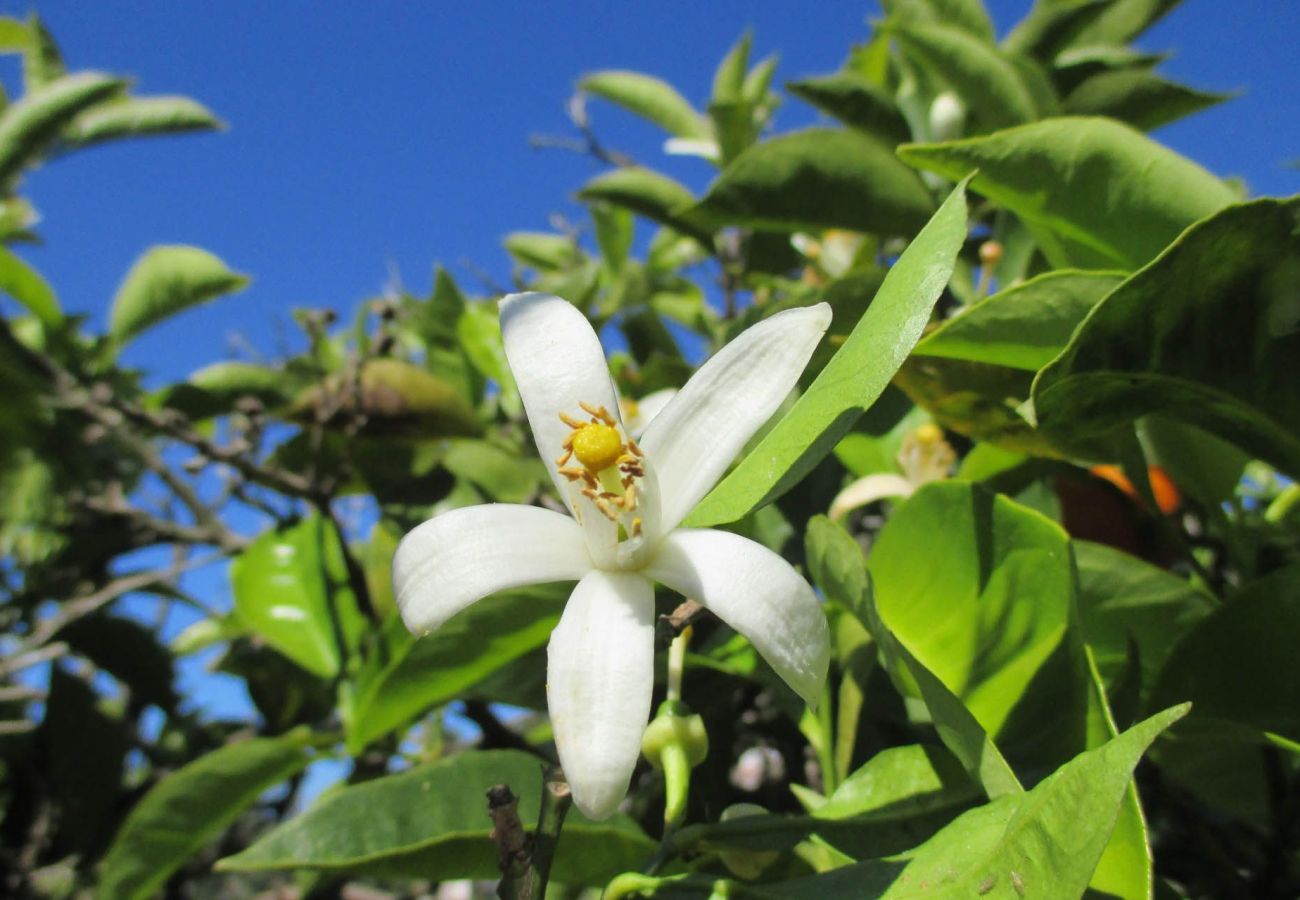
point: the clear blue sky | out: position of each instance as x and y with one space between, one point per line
367 136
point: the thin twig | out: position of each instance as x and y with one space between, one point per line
526 860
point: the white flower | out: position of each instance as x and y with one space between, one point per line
637 414
627 500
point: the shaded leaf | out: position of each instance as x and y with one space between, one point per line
165 281
1023 327
855 101
189 808
431 823
1095 192
1207 334
853 379
988 82
1138 97
815 179
647 193
445 665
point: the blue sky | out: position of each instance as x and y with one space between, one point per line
379 137
368 138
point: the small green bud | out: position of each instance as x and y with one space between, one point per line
675 742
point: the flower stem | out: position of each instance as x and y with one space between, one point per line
677 662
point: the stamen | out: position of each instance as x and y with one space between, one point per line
571 421
636 527
564 457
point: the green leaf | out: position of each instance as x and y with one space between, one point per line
816 179
647 193
289 586
541 250
1238 664
853 379
214 390
615 229
729 78
856 102
25 284
1025 326
992 622
1095 192
1120 21
431 823
987 81
1207 334
1046 29
42 61
189 808
503 475
1045 842
650 98
968 15
1123 599
32 124
139 117
165 281
1138 97
479 330
443 666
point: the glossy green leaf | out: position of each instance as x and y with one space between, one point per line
42 61
25 284
215 390
647 193
1203 466
1095 192
189 808
431 822
648 97
503 475
32 124
289 586
139 117
968 15
729 78
1207 334
541 250
445 665
987 81
853 379
1047 27
991 623
855 101
1123 599
1024 326
1138 97
165 281
1046 842
816 179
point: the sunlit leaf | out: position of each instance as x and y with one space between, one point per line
139 117
165 281
649 97
854 377
32 124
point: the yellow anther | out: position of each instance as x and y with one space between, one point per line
597 446
571 421
929 433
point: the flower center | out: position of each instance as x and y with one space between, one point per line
609 466
597 446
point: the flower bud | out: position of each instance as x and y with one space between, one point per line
675 741
947 117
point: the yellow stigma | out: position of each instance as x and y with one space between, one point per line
597 446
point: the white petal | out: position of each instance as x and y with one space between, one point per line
693 440
757 593
558 362
869 489
600 673
453 559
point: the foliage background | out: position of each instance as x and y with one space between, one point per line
395 175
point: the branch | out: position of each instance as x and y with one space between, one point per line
526 860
